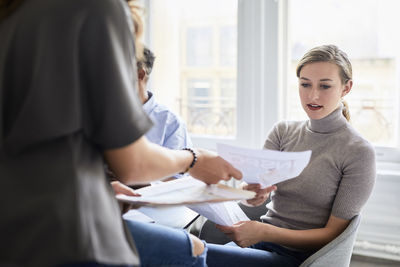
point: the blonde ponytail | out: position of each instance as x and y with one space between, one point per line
345 110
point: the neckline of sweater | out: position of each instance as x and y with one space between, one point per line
329 124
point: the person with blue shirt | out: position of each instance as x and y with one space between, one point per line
169 130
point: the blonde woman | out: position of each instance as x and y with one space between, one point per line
309 211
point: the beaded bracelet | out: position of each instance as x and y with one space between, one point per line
193 161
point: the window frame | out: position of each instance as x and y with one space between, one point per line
262 82
258 99
262 62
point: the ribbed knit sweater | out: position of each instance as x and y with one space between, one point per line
338 179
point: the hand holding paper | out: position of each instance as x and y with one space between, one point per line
262 194
244 234
265 167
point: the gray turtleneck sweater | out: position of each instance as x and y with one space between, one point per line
338 180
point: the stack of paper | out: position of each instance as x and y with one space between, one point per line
183 191
223 213
137 216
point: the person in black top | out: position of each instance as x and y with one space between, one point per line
67 105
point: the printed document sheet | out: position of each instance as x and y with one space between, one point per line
183 191
266 167
224 213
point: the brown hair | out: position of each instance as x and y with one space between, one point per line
7 7
332 54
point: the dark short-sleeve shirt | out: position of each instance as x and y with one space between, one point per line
67 93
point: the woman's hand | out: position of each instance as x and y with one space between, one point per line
261 193
120 188
244 233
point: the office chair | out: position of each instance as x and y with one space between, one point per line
338 251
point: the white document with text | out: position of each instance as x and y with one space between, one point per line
186 190
224 213
266 167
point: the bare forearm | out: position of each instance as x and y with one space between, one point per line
144 161
301 239
305 239
159 162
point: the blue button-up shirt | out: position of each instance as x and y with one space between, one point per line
169 130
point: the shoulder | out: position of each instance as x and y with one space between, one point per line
288 127
357 147
73 8
105 11
99 15
99 7
357 142
281 133
163 115
165 112
61 17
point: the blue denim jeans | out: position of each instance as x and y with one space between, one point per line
158 246
260 254
163 246
90 264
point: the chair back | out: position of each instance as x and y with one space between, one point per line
338 251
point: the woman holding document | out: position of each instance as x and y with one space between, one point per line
309 211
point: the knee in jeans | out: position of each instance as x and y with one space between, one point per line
197 246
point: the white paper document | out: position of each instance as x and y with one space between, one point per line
172 215
186 190
266 167
223 213
138 216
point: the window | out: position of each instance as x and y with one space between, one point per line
195 43
365 31
203 55
228 67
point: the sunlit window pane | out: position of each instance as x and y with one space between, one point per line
199 47
195 43
227 46
367 31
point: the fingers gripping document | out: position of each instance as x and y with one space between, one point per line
265 167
